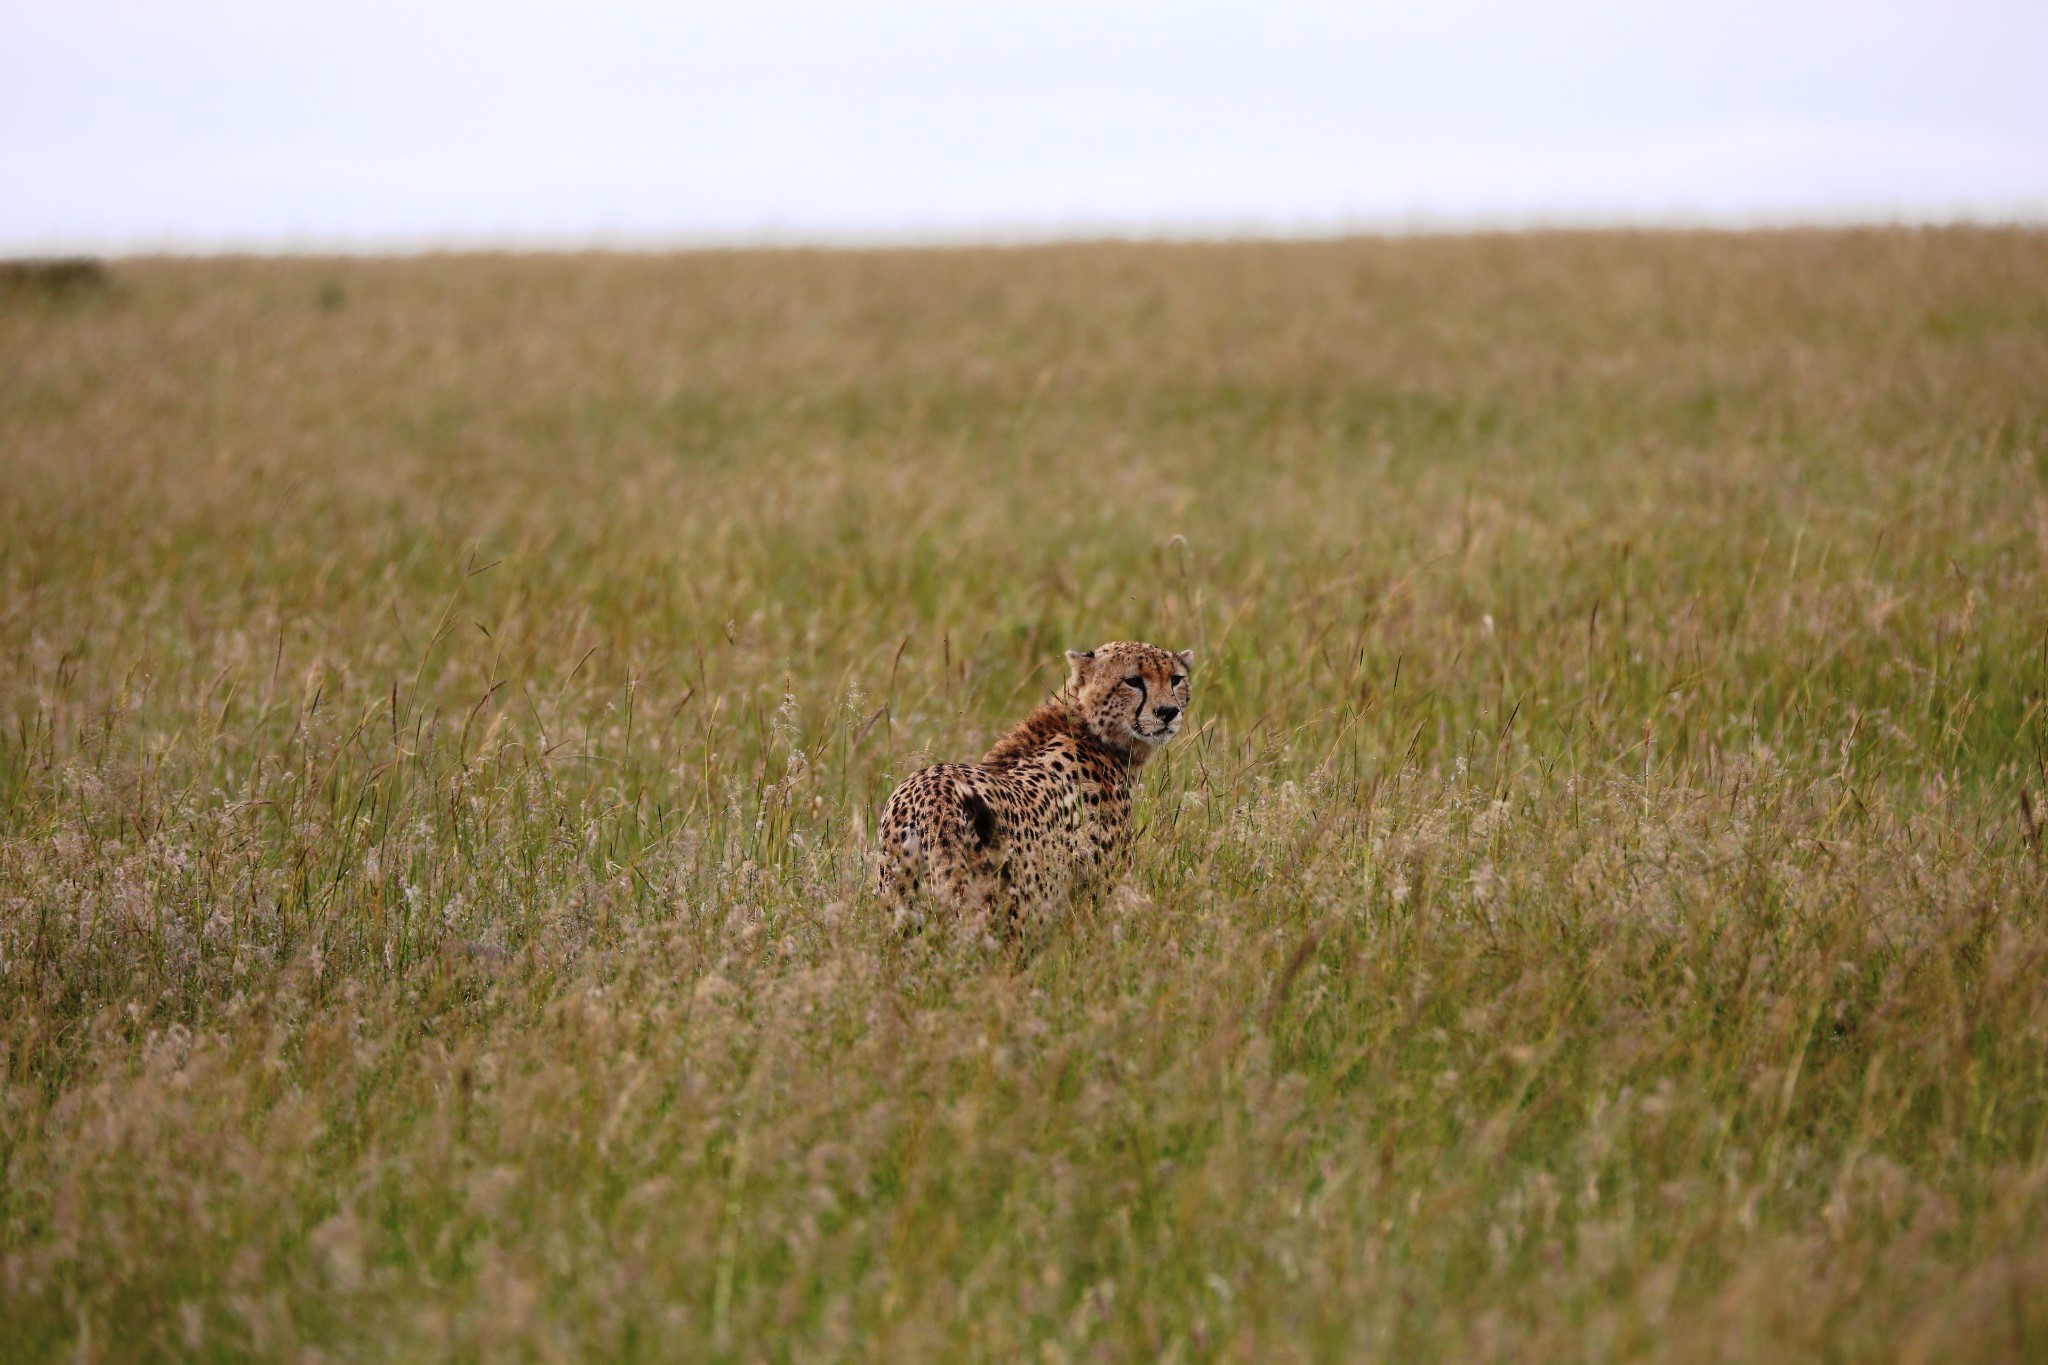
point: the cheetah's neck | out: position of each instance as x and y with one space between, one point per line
1051 722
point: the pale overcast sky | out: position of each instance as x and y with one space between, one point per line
230 121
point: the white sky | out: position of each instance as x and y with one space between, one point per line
233 121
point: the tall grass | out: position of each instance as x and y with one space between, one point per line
1598 912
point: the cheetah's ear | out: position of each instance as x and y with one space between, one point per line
1186 657
1077 664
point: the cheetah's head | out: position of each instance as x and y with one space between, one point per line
1132 696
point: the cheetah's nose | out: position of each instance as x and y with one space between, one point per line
1166 712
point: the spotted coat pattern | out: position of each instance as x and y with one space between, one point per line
1048 806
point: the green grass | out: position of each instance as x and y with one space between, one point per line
1598 911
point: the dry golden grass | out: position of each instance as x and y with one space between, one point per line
1602 915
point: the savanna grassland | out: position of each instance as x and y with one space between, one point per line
1597 912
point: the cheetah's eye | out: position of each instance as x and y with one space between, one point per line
1176 680
1136 680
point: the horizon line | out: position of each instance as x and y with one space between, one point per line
2028 213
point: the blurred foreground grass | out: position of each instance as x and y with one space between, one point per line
1601 916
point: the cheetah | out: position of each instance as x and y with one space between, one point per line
1048 806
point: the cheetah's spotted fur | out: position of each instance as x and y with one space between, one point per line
1049 805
